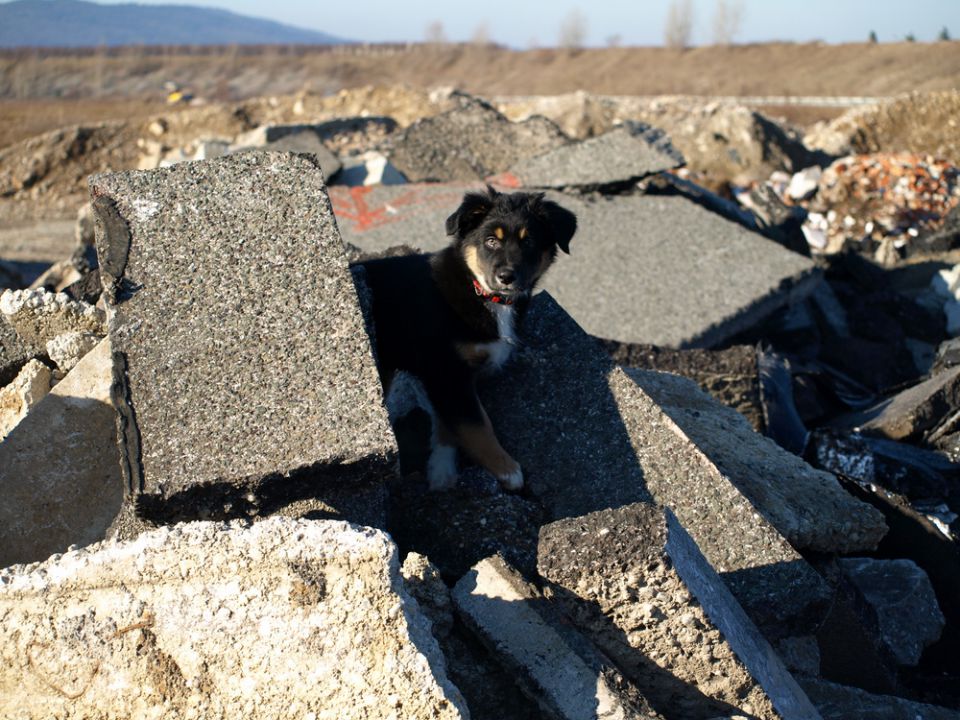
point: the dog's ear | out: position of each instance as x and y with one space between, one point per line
471 213
562 222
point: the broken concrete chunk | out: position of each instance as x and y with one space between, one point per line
841 702
635 583
800 655
68 349
27 389
424 583
914 410
590 438
39 315
568 433
458 529
905 469
470 143
665 271
58 276
284 618
901 602
307 141
60 480
13 353
803 185
84 233
807 506
754 559
234 366
552 663
640 266
370 168
729 375
619 157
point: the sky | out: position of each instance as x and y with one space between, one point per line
523 24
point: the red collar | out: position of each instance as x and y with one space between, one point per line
499 299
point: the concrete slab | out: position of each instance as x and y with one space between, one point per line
899 601
730 375
642 269
841 702
589 438
282 618
618 157
376 218
460 528
60 480
912 411
555 665
470 142
665 271
242 348
636 584
297 137
309 143
806 505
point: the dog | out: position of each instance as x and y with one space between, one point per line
448 317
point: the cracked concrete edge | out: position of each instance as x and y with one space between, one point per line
557 667
743 635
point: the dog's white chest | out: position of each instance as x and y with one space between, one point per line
498 351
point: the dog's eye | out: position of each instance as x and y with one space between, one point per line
492 242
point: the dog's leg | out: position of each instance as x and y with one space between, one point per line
461 420
480 443
442 464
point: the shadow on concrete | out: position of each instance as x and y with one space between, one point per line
354 492
665 692
27 270
553 408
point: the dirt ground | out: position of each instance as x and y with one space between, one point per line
39 91
20 119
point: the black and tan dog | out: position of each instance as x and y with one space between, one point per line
441 319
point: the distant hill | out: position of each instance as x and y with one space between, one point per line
74 23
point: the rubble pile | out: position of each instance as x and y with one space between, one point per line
202 498
921 122
722 142
881 201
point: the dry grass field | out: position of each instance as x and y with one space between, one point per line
40 90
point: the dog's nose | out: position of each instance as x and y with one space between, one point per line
506 276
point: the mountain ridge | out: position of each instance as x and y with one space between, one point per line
78 23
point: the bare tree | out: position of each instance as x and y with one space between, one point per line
679 25
481 34
726 21
573 30
435 32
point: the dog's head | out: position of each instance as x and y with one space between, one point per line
509 240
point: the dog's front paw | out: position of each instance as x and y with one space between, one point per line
442 468
512 480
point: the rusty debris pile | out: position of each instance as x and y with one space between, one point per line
883 204
737 403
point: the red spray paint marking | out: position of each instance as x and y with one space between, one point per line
352 204
507 180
